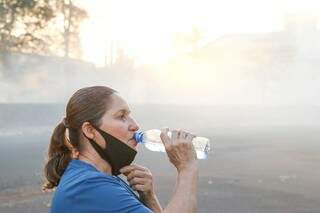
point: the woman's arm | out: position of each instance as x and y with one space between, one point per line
182 155
152 202
184 198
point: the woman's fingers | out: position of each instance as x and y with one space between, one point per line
181 151
182 134
165 138
190 136
139 187
127 169
140 174
137 180
174 134
134 170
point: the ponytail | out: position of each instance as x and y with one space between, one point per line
59 156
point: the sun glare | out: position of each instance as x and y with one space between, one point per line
147 30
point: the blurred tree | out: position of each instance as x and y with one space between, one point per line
21 22
39 26
72 17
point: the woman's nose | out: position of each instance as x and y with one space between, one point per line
133 125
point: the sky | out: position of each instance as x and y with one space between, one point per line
147 29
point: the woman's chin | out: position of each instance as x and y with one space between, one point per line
133 144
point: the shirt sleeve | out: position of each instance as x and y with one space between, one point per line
104 195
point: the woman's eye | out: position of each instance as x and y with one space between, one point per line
122 117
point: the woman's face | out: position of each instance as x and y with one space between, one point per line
118 122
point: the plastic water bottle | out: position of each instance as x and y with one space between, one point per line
152 141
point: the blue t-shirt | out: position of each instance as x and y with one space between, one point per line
83 189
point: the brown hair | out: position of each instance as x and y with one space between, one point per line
86 105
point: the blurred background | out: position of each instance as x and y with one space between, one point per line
243 73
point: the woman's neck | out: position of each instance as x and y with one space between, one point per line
96 161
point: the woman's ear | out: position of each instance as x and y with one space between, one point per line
88 130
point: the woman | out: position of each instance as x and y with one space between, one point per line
94 143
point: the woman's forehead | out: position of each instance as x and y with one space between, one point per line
118 104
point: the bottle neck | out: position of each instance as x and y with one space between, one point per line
138 136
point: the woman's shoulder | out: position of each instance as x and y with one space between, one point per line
79 172
100 190
99 177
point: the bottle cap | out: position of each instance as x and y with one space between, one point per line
138 137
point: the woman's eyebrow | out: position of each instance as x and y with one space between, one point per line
122 111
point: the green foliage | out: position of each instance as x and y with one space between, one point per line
20 22
39 26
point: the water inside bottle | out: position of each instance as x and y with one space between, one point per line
202 149
153 142
156 147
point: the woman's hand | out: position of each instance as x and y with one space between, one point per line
179 148
140 179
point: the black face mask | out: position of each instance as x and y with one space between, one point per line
116 153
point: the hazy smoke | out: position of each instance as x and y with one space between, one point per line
273 68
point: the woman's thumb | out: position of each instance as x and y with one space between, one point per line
164 136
